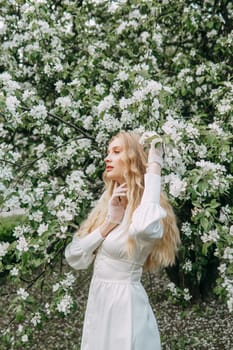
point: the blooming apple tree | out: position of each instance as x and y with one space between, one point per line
72 74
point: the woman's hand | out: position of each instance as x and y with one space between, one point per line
117 204
155 156
116 210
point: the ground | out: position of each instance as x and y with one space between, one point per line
207 326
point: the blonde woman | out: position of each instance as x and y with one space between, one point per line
132 228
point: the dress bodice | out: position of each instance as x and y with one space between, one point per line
109 269
143 230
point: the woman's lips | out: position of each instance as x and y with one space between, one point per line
109 167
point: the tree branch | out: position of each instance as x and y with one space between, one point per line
71 125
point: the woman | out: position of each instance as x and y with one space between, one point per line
126 231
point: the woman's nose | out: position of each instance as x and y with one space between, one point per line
107 158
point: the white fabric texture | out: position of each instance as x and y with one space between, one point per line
118 314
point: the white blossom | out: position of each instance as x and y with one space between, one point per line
216 128
228 254
36 319
43 166
172 288
64 101
64 215
231 230
212 33
22 293
39 193
230 304
225 106
121 27
69 280
47 309
58 200
27 94
59 85
12 203
2 26
155 104
209 166
187 295
24 338
201 151
88 122
200 69
56 286
112 7
63 229
157 37
125 102
5 77
212 236
173 128
20 230
65 304
122 76
110 123
192 131
187 266
177 187
222 268
186 229
14 271
6 173
20 328
22 244
148 135
12 103
42 228
144 36
100 88
39 112
75 181
127 117
90 169
36 216
3 248
106 104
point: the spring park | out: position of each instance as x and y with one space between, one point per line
72 74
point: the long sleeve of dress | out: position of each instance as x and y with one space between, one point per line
79 252
146 218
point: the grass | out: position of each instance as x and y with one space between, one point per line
7 225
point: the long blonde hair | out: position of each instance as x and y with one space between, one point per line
164 249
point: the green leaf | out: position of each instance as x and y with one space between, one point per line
19 315
204 223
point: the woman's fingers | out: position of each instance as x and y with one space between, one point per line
120 189
116 187
119 194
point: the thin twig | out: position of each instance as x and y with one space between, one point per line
82 131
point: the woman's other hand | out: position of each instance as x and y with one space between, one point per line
116 209
117 204
155 156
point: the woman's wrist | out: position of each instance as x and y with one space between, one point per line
153 168
107 227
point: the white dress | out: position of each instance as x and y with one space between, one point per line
118 314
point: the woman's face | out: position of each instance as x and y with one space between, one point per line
115 165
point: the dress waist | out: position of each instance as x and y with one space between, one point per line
110 269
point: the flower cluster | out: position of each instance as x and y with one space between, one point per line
66 87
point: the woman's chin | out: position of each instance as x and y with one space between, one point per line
117 179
